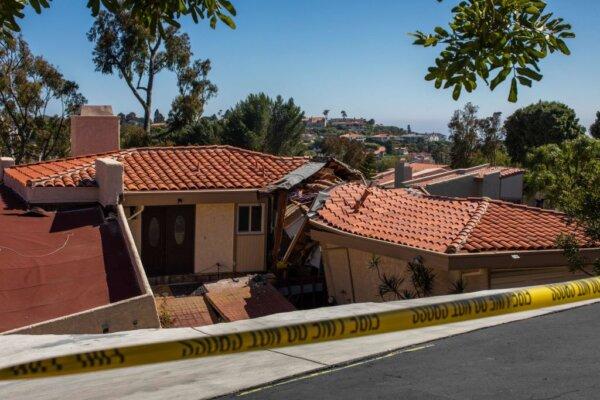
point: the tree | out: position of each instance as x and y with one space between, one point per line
133 136
595 127
501 38
208 130
158 117
350 152
325 114
125 46
539 124
28 86
344 114
263 124
568 174
492 138
464 127
151 14
369 165
194 91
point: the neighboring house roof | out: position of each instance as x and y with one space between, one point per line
246 297
166 168
441 224
476 172
505 172
388 176
54 264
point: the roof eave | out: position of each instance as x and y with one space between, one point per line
453 262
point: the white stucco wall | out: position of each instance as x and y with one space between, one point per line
215 225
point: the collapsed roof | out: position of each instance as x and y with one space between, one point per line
441 224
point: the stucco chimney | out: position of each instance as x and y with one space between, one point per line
402 173
5 162
94 130
109 176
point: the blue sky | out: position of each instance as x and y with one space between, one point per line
328 54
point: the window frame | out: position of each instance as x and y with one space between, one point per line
262 219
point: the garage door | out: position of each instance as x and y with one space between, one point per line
516 277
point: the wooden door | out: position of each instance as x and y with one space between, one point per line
180 223
168 240
154 240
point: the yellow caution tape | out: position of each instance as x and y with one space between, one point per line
311 332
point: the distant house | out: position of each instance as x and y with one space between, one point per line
315 122
469 244
348 123
186 214
354 136
382 137
421 157
378 152
418 137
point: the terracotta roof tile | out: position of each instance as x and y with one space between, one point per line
186 311
441 224
167 168
245 297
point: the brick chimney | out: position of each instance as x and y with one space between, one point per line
402 173
94 130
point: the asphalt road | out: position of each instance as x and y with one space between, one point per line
556 356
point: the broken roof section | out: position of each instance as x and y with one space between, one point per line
246 297
54 264
182 312
441 224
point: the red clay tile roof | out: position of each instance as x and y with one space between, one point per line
186 311
441 224
245 298
167 168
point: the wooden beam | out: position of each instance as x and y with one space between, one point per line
278 231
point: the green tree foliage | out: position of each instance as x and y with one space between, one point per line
350 152
260 123
134 136
158 117
194 91
124 46
569 175
464 128
369 165
476 141
28 86
492 139
208 130
539 124
595 127
151 14
493 40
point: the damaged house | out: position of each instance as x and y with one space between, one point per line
371 236
178 215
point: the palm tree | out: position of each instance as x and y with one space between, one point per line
344 114
325 114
